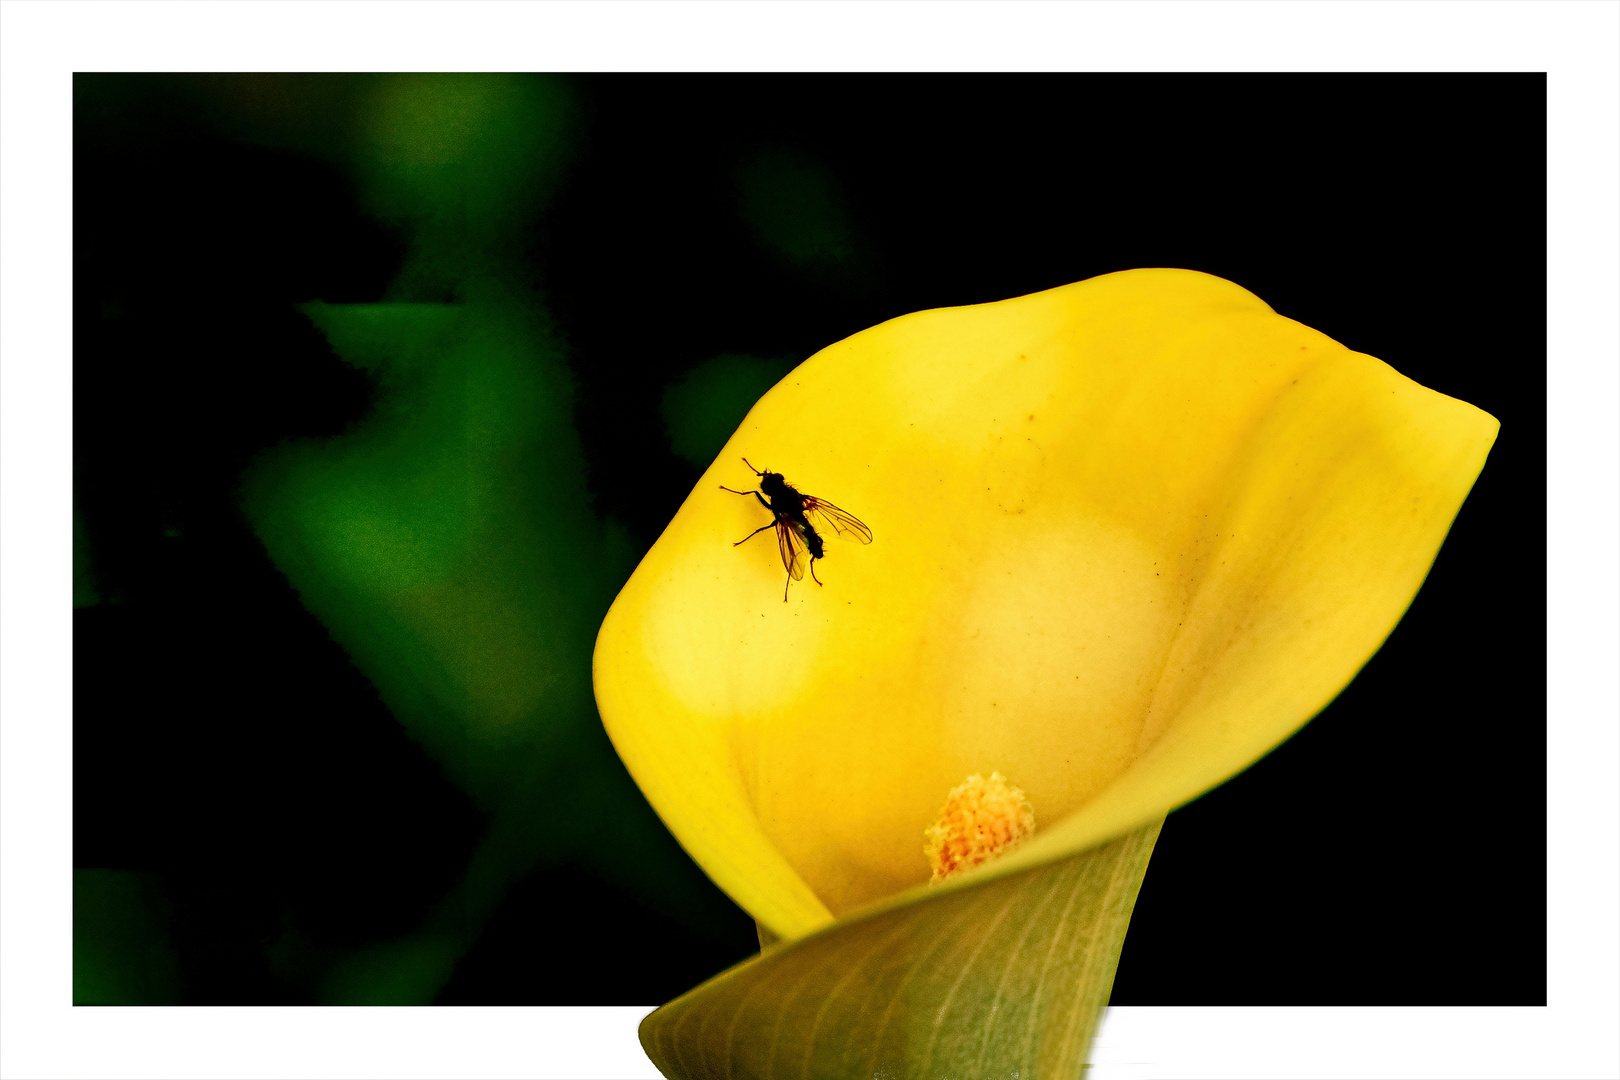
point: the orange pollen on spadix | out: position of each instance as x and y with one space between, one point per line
981 820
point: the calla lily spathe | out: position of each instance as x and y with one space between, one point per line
1131 534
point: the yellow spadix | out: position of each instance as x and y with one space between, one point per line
1129 535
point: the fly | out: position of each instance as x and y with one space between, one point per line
795 518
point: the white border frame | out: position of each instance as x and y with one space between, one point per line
42 43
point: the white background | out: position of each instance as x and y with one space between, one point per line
42 43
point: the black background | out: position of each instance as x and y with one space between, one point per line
1393 852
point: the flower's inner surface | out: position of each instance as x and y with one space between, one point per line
981 820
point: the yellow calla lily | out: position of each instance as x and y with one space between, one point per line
1130 534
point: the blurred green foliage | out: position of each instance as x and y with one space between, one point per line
465 163
447 541
121 949
703 407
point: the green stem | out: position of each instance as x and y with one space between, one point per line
1003 978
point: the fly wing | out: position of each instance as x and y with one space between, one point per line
828 517
790 542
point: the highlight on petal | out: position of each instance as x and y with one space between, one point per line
1132 533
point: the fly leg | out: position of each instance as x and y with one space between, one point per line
755 533
762 500
813 572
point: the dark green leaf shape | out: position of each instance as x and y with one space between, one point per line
1001 979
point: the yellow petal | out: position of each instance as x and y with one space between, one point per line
1129 535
